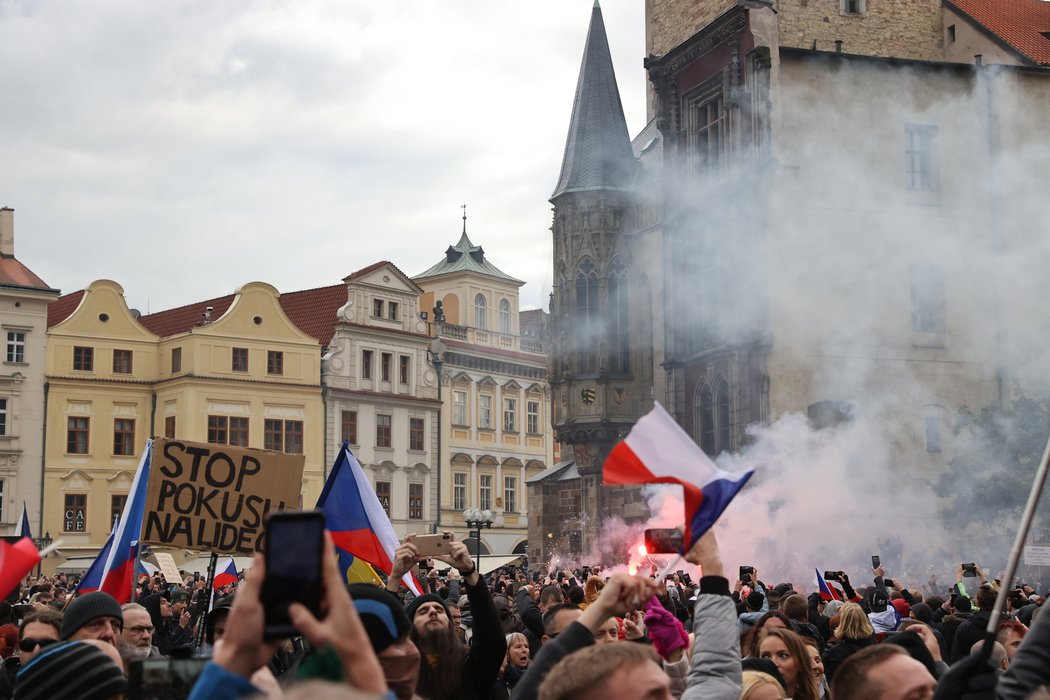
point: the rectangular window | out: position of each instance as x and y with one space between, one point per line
239 431
122 362
851 7
3 417
485 412
366 364
77 435
510 415
391 310
274 362
83 359
383 494
385 363
510 494
123 436
116 507
459 491
403 369
16 347
176 360
169 427
218 430
239 360
349 427
921 155
533 416
459 408
273 435
293 437
415 434
933 434
415 501
928 299
75 519
377 308
383 430
485 492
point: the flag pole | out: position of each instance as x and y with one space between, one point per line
203 619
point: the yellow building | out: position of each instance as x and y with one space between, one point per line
496 401
233 370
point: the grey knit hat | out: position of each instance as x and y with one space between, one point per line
71 671
87 608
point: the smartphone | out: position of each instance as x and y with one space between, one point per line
831 576
294 548
663 540
875 561
433 545
745 573
167 678
970 569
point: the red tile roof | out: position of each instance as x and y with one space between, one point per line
60 308
1022 24
184 318
15 274
532 323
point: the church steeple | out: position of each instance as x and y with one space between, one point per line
598 153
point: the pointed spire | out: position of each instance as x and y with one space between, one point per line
598 151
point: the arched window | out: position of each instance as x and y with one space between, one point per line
704 410
479 312
588 326
722 419
504 316
619 341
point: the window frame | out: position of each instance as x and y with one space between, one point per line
170 423
74 431
386 366
459 490
123 437
415 501
510 486
416 434
71 508
484 491
16 347
348 426
367 359
510 411
176 360
275 362
384 430
83 358
532 417
242 430
460 416
485 412
239 359
215 424
480 312
404 369
384 492
119 364
3 417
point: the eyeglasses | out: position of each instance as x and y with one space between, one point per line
145 629
29 644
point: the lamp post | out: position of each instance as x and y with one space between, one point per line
42 543
477 520
436 357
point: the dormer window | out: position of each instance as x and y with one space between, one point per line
377 308
391 310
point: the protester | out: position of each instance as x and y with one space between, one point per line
388 630
786 649
1010 634
73 670
448 670
853 633
95 615
619 671
883 671
816 666
761 686
37 631
972 630
517 660
136 639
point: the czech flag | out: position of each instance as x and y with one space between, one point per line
225 577
658 451
114 567
22 529
16 562
827 592
359 525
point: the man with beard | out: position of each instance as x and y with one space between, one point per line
448 670
136 641
389 631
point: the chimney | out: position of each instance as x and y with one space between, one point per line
7 232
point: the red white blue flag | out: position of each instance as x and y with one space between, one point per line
358 523
226 576
114 567
658 451
827 592
22 529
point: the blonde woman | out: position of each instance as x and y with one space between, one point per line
761 686
517 660
853 633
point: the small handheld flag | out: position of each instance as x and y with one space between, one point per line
827 592
16 562
226 576
22 529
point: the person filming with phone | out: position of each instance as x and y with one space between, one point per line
449 670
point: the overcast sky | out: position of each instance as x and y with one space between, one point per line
184 148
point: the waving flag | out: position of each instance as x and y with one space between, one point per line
658 451
356 519
16 562
225 577
827 592
113 568
22 529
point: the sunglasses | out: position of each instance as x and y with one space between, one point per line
29 644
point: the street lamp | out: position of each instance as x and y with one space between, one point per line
477 520
436 357
42 543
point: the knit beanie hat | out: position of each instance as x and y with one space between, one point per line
381 614
411 608
754 601
72 671
87 608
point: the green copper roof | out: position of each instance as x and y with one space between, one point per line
466 257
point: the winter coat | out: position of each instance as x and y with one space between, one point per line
839 652
714 672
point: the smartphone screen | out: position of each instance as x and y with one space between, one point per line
666 540
875 561
294 546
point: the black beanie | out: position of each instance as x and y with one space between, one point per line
381 614
754 601
87 608
411 608
71 671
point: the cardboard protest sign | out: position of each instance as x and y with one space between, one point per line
166 565
213 498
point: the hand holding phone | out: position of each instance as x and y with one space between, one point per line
875 562
664 540
294 543
433 545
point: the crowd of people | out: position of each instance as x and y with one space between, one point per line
551 635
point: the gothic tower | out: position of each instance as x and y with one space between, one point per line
599 351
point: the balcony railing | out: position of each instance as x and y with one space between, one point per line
503 341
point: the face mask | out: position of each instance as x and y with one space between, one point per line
401 673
